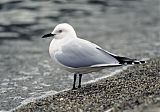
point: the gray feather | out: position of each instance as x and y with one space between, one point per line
82 53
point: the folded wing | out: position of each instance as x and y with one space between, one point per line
81 53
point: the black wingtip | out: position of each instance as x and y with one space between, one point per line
139 62
143 62
128 61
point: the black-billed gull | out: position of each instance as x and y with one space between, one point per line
80 56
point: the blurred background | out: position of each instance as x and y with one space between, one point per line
125 27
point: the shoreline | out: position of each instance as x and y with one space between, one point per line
132 90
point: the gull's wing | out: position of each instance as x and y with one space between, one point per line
81 53
123 60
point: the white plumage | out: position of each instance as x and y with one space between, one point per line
78 55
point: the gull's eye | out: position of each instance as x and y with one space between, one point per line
59 31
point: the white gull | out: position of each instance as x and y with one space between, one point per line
80 56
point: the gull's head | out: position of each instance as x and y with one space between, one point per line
62 30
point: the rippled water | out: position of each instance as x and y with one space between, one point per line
125 27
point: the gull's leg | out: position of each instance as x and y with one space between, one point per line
80 79
74 82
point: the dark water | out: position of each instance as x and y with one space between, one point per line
125 27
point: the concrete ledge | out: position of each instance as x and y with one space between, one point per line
131 90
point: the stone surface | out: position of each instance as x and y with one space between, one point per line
134 88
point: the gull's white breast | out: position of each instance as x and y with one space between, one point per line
55 47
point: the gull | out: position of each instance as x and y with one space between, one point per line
80 56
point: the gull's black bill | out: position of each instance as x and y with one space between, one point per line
48 35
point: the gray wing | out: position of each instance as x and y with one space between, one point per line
82 53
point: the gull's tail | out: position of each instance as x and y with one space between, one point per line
125 60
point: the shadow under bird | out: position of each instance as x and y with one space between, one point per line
80 56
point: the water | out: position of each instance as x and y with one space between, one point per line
125 27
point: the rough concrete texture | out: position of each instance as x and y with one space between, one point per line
135 89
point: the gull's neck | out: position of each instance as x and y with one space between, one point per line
71 34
